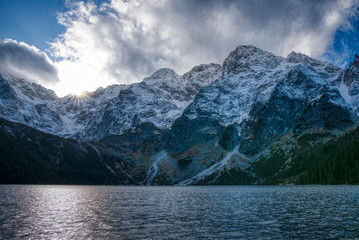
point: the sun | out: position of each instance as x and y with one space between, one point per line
81 96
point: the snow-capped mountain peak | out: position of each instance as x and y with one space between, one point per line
246 57
163 73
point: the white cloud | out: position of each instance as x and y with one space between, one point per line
24 61
124 41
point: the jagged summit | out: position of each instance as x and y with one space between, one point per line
355 62
203 67
350 84
162 73
249 57
300 58
31 90
352 73
295 57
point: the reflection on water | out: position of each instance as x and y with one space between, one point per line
249 212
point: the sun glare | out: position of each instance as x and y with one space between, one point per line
80 96
76 78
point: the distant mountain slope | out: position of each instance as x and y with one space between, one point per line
30 156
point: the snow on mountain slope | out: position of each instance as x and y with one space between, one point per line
228 94
160 99
263 96
349 87
84 112
250 75
40 108
28 103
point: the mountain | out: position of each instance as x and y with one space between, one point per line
31 156
160 99
240 122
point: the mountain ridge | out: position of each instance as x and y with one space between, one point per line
213 120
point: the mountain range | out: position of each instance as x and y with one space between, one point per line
256 119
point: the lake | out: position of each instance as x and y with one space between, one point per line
211 212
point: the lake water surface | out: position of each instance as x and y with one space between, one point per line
233 212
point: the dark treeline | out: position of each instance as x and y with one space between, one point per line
334 162
28 156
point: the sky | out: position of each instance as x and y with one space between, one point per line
75 46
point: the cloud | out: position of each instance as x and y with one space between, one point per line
24 61
124 41
346 43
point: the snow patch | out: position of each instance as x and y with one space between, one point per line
209 171
109 168
152 171
343 89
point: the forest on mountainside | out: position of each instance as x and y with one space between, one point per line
333 162
316 158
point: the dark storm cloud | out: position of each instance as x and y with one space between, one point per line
24 61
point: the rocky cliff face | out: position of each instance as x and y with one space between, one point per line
28 103
214 121
260 97
349 88
159 99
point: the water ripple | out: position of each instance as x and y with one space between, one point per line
234 212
